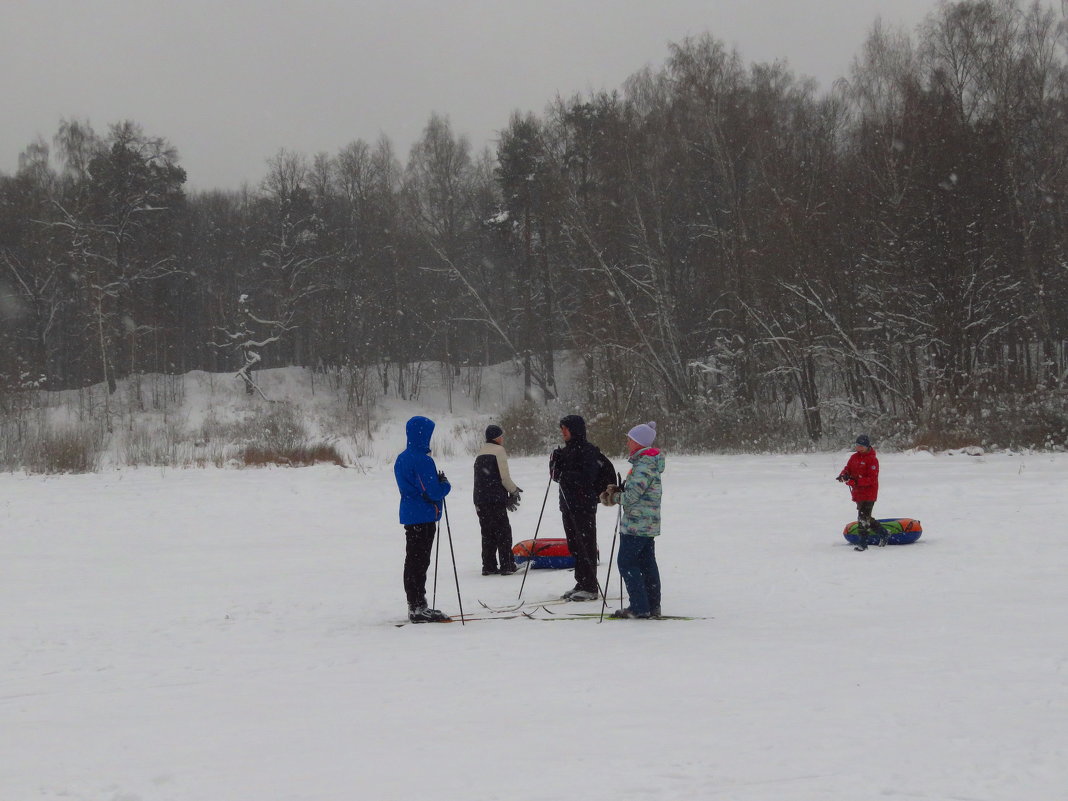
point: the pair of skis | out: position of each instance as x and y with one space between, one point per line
542 611
531 605
549 608
545 618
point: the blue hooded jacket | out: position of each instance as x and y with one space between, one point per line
421 494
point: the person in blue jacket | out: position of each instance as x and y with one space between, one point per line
422 494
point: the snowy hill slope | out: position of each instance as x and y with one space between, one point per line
202 418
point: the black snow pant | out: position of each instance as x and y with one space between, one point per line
419 545
580 528
867 523
496 536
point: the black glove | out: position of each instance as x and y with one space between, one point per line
513 500
843 476
441 477
554 464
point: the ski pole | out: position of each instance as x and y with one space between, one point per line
534 542
456 575
619 525
611 558
437 550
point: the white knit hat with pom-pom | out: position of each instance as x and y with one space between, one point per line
643 434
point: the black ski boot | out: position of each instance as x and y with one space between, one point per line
629 614
423 614
863 544
582 595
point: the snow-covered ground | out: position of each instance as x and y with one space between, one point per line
223 635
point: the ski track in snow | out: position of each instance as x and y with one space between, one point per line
207 635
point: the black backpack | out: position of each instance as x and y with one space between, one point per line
606 472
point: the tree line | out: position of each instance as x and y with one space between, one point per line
720 242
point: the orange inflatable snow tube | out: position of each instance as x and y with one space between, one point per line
547 553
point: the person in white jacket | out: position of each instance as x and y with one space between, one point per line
495 495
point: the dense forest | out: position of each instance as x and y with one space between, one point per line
723 243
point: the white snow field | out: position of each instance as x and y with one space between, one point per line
227 635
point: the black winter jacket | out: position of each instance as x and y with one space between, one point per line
492 480
574 466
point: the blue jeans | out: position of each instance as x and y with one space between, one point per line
637 566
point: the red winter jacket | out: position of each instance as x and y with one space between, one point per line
862 471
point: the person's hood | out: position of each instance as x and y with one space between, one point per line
654 455
420 430
639 452
576 425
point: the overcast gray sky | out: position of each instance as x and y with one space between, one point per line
230 82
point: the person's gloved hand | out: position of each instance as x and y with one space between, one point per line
610 497
441 477
554 468
513 500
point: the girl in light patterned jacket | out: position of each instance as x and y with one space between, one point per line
640 525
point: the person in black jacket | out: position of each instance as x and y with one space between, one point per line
495 495
575 466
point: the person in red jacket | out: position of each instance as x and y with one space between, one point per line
861 475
